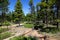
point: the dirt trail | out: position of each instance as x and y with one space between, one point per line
27 31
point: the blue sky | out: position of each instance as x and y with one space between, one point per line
25 5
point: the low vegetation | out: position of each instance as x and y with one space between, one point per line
3 30
38 26
28 25
5 35
23 38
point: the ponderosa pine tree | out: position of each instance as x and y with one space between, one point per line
3 8
38 12
58 11
32 10
18 12
46 6
42 6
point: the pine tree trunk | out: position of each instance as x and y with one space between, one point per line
19 23
46 20
57 17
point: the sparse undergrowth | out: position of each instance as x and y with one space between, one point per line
3 30
5 35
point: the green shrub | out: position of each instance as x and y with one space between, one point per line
6 23
38 26
41 25
5 35
23 38
3 30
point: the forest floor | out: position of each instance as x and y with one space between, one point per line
29 32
